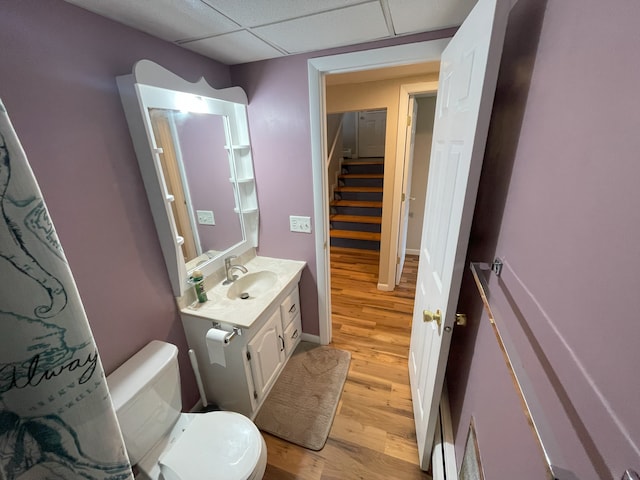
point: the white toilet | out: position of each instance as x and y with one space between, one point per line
167 444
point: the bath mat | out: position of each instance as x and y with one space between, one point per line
302 404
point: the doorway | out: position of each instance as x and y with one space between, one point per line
363 133
417 104
318 68
470 64
370 91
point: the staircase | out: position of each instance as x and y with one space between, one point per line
356 211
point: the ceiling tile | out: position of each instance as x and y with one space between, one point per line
423 15
262 12
233 48
346 26
166 19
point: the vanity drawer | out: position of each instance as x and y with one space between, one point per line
290 307
292 335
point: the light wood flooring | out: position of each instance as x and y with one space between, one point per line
373 434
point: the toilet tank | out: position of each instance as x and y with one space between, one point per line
145 391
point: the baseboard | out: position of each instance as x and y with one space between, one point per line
412 251
307 337
198 407
385 287
444 456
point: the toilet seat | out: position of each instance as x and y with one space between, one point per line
215 445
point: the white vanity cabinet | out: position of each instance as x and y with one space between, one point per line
253 360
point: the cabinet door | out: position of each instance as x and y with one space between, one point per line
267 354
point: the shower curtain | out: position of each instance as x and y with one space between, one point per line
56 416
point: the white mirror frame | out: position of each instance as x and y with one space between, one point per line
152 86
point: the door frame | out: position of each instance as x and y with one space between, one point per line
426 51
407 91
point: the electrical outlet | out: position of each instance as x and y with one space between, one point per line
205 217
300 224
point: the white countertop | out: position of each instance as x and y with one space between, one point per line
243 313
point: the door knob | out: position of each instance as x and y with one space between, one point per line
429 316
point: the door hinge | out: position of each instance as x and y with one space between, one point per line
248 356
408 120
397 260
402 197
255 395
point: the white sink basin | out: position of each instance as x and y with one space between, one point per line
252 285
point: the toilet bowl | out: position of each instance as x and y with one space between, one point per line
166 444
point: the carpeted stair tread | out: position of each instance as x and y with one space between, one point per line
355 203
375 176
355 235
358 189
371 161
355 218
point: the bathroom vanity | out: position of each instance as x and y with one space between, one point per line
193 147
270 327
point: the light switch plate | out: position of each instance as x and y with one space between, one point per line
205 217
300 224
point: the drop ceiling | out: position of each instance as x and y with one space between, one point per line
241 31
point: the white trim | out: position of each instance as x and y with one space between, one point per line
449 445
413 251
407 90
307 337
317 107
317 69
443 459
335 140
385 287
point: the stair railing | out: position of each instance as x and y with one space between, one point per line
334 159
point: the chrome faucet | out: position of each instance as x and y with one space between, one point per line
228 269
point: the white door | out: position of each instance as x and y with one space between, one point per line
469 69
410 134
372 130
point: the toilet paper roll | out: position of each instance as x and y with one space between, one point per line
215 346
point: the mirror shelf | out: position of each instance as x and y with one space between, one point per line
191 140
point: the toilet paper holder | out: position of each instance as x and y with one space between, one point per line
229 336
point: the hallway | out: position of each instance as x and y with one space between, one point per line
373 435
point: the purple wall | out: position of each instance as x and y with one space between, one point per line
278 92
558 203
280 142
206 162
57 81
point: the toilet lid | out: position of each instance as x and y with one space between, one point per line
215 445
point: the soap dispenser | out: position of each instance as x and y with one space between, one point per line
197 279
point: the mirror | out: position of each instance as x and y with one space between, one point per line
192 144
196 170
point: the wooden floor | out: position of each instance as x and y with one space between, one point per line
373 435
